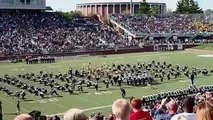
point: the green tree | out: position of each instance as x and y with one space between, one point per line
181 6
144 8
188 7
209 11
154 10
72 14
194 7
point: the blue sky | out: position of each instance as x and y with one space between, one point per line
68 5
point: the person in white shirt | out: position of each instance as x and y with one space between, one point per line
188 105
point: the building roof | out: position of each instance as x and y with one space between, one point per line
105 3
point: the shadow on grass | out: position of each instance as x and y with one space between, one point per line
157 83
102 90
27 100
78 93
10 114
207 75
46 97
85 92
127 87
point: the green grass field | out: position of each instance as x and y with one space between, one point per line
102 100
205 47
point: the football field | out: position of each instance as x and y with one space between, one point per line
92 101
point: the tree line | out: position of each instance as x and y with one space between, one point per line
183 7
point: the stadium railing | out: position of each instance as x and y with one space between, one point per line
97 52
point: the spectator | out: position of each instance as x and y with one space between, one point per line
204 111
74 114
121 109
56 117
138 113
188 106
166 110
208 96
23 117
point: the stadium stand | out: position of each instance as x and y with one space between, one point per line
48 32
163 24
37 32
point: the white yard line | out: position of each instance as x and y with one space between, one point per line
88 109
96 108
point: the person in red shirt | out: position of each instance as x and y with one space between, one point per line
138 113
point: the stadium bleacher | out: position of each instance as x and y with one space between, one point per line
48 32
27 32
161 24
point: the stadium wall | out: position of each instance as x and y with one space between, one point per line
98 52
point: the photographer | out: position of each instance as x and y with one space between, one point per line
166 110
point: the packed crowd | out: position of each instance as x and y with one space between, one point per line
163 24
50 32
47 32
196 106
203 26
